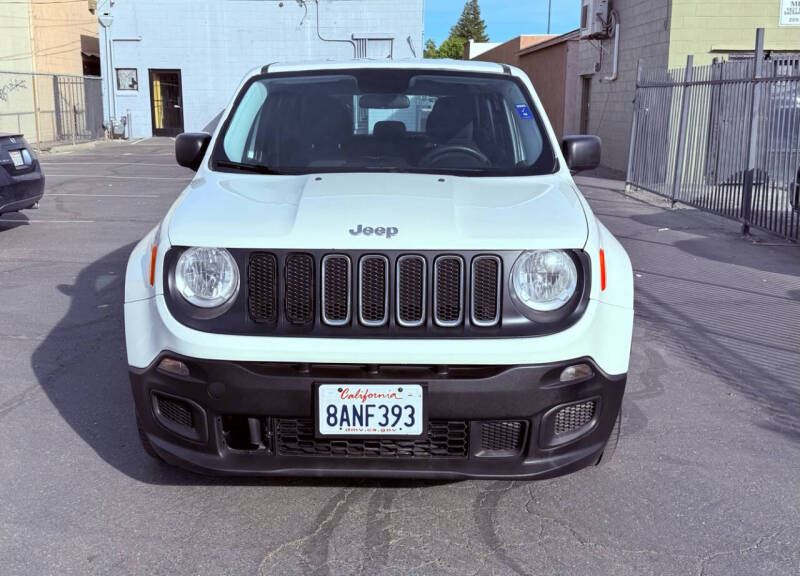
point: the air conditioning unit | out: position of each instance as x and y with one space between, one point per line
594 19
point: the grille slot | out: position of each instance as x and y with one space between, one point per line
373 290
486 277
573 417
336 290
411 297
262 288
448 291
300 288
444 439
175 410
502 435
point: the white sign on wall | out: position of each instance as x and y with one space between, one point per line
790 13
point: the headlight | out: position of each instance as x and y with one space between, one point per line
544 280
207 277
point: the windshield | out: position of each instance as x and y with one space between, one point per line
385 120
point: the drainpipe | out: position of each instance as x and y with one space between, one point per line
319 35
615 66
106 20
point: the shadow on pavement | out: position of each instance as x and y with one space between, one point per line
731 320
719 240
81 366
11 220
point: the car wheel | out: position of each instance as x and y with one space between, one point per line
146 442
613 440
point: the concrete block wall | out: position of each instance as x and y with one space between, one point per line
214 43
644 36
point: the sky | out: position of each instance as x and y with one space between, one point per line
504 19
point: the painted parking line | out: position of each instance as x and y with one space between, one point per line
105 195
184 179
47 221
50 163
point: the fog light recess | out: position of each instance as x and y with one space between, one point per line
576 372
173 366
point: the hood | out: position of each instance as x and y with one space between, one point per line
393 211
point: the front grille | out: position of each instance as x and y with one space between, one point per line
486 290
574 416
262 279
448 295
175 410
502 435
373 290
420 295
411 291
444 439
300 288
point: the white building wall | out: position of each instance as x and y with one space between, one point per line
215 42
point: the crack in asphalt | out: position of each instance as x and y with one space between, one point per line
331 513
705 560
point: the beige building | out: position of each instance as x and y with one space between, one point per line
46 47
49 37
710 28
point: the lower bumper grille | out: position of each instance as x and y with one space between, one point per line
175 410
444 439
574 416
502 436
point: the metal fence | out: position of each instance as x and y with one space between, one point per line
723 138
51 108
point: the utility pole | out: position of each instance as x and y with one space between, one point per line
549 5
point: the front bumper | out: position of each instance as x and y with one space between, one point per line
241 412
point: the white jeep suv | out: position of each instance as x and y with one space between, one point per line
381 269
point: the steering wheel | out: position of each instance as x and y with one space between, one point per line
436 155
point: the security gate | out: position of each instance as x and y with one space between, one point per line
724 138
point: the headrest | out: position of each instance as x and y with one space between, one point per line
388 129
451 118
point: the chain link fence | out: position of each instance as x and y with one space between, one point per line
724 138
51 109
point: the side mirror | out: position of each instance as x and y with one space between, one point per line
190 147
582 152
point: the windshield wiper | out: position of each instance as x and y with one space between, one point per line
256 168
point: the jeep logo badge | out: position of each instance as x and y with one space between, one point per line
369 231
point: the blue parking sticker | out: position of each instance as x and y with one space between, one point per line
524 111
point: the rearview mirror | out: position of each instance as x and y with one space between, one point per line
582 152
190 147
384 101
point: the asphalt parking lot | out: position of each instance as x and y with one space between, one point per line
706 479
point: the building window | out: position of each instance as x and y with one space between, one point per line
127 79
584 16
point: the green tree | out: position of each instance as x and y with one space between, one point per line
453 48
470 25
431 51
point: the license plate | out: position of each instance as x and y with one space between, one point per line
16 158
369 410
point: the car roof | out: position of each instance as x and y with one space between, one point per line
403 64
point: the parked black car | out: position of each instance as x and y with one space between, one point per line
21 178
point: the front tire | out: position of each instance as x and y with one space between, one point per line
148 447
613 440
